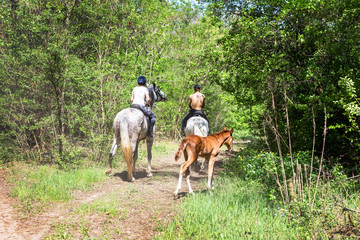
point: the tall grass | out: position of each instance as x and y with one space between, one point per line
48 183
236 210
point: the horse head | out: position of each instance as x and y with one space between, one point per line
155 93
229 131
226 134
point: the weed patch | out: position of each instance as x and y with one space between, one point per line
236 210
47 183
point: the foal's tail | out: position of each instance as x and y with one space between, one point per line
181 149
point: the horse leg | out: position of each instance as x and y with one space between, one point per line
135 156
187 177
149 144
210 172
179 183
202 166
111 156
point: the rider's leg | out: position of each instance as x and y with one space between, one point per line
151 124
202 114
184 121
152 118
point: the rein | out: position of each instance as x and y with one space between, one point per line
156 95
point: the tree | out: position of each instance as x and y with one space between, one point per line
289 58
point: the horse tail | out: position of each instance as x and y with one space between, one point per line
125 145
181 149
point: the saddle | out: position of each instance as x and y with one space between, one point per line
135 106
139 108
196 115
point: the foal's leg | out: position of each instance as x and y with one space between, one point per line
149 144
211 171
189 158
187 177
111 156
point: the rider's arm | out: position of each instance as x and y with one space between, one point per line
190 103
203 104
132 97
147 99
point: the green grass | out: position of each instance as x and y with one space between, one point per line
108 205
236 210
48 183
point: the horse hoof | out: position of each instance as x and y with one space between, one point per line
108 172
149 174
131 179
175 194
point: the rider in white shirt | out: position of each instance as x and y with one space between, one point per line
140 98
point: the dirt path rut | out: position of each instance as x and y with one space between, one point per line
140 207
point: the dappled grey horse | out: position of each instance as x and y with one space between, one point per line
198 126
131 127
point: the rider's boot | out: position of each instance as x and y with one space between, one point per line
151 131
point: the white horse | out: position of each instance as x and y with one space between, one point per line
131 127
197 125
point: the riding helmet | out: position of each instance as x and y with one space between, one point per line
141 80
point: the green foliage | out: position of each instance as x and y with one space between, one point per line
67 68
291 59
317 206
264 166
349 102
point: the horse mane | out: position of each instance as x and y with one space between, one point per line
151 94
219 133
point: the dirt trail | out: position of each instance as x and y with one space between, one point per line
141 207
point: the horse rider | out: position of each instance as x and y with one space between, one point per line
196 104
140 99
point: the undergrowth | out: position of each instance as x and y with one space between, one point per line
247 202
325 204
237 210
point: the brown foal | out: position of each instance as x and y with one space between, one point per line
195 146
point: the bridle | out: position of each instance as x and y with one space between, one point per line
158 95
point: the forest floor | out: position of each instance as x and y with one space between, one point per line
140 206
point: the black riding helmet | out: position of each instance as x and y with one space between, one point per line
141 80
197 87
